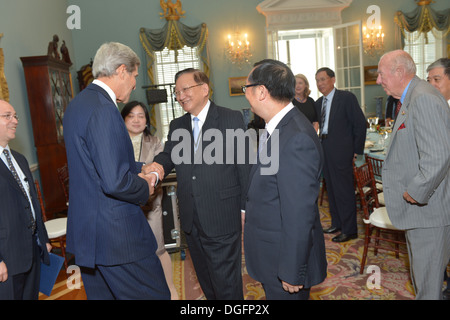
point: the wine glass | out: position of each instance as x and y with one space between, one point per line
371 123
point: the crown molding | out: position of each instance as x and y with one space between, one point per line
291 14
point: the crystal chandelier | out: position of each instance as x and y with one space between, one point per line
373 40
238 49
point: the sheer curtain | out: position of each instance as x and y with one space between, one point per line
175 36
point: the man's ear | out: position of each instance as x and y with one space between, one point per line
262 92
121 71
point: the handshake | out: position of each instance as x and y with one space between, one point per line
152 173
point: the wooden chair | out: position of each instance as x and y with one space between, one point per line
63 177
375 217
323 189
377 165
56 228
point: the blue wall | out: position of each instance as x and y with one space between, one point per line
28 26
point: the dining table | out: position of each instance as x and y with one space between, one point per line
376 144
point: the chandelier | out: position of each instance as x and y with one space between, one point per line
373 40
238 49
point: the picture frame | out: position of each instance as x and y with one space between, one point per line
370 75
235 85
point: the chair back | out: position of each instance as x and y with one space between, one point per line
377 165
366 187
41 201
63 177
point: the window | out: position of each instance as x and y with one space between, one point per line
305 51
424 49
167 64
339 48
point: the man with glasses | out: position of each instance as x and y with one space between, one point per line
284 243
24 241
210 196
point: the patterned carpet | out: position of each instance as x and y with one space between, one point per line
344 282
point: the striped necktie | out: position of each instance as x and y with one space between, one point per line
323 114
16 177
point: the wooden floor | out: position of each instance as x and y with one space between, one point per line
63 291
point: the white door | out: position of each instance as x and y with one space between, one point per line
349 60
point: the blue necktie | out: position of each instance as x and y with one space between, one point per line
196 133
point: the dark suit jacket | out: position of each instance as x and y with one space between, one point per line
105 222
215 190
346 126
15 236
283 236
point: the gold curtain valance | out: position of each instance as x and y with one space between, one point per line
423 20
4 91
174 35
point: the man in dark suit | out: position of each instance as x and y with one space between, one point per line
210 195
24 241
343 133
107 232
283 238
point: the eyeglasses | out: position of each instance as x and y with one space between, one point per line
177 93
9 116
244 88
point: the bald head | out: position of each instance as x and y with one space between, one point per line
395 70
8 123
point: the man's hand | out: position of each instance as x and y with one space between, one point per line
3 272
408 198
290 288
151 180
49 247
153 167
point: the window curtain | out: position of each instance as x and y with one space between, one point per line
4 92
423 19
174 36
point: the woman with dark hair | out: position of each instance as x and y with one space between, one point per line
146 147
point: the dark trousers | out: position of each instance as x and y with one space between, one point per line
217 262
275 291
140 280
341 192
24 286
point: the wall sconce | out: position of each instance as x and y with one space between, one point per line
238 49
373 40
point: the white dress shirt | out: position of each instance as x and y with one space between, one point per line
107 89
21 175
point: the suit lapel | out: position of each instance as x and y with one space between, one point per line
334 108
211 120
4 171
403 112
279 127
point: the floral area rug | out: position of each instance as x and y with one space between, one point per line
388 277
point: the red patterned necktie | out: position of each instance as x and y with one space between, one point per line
397 109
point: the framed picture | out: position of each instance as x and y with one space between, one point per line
235 84
370 75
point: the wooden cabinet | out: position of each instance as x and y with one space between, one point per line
50 89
